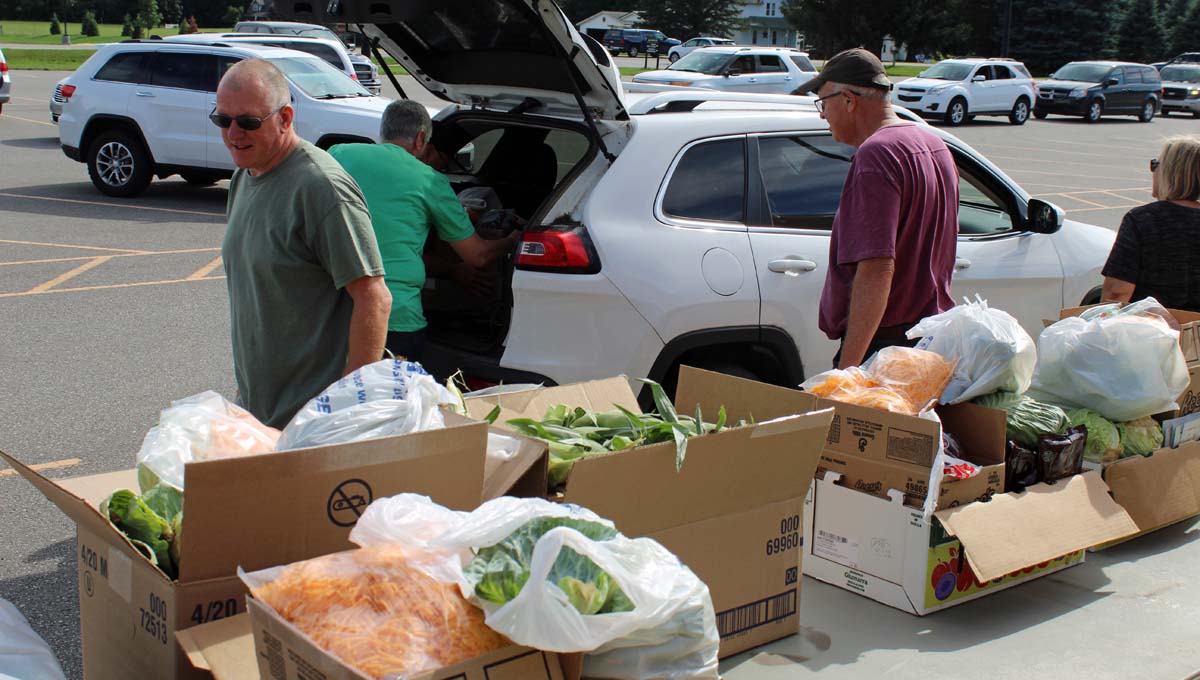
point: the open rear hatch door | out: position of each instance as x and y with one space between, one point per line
499 55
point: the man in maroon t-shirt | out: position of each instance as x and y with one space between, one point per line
891 253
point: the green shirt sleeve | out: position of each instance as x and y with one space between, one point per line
342 238
447 214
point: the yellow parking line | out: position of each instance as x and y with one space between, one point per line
109 286
205 270
145 253
69 462
68 245
1107 207
1073 197
96 262
30 99
126 206
9 116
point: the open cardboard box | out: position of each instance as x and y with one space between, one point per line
226 649
732 514
256 512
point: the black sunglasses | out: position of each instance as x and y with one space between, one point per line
247 123
1154 165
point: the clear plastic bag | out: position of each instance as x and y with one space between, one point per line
201 427
23 654
897 379
992 350
1124 366
382 399
666 628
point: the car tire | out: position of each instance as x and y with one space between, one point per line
1095 111
1020 112
673 57
956 112
1147 113
119 165
633 52
1195 114
198 179
1040 114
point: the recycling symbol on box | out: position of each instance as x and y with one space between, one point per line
348 502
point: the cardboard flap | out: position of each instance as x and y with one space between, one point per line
743 399
82 503
277 508
224 648
1159 489
1014 531
597 395
723 473
981 431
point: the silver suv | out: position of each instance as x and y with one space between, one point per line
364 69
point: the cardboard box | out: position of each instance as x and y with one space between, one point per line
875 451
256 512
887 551
226 649
732 514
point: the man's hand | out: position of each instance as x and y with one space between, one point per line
868 302
368 321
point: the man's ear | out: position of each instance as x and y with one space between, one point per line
286 115
420 144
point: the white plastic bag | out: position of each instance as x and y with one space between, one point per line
201 427
382 399
670 632
993 352
1124 366
23 654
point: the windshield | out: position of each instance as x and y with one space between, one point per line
1181 74
318 79
700 61
1084 73
947 71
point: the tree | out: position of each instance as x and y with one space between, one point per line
188 25
834 25
1141 37
1174 11
127 27
1039 38
88 26
686 18
232 15
172 11
55 29
148 16
1183 38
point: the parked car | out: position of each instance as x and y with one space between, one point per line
139 109
1181 89
775 70
332 51
956 90
739 189
5 82
1092 89
679 51
634 41
365 70
1181 58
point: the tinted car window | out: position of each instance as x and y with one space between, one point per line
1133 75
1114 74
803 178
985 71
1022 72
1001 73
1150 75
744 63
127 67
980 211
769 63
317 49
709 183
803 63
184 71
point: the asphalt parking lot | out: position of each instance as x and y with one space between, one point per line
116 307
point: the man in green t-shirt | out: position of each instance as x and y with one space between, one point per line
307 300
406 198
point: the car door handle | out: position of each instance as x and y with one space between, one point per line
144 94
791 265
961 263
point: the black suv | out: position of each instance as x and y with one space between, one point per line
633 41
1095 88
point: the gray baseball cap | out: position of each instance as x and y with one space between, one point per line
852 67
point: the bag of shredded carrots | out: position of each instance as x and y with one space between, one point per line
558 577
897 379
375 612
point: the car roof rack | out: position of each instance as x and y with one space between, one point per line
671 99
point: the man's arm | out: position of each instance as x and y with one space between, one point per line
368 321
1116 290
478 252
868 301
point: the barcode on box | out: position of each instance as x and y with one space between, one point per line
760 613
831 537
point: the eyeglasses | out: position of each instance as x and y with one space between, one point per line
1154 165
247 123
819 102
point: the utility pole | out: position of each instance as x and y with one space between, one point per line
1007 27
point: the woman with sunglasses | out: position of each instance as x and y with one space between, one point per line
1157 251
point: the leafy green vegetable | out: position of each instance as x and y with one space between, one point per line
1103 440
1027 419
1140 437
130 514
499 572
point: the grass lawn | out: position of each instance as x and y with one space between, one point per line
38 33
46 60
906 70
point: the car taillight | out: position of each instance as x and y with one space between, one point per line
67 91
3 67
354 76
564 250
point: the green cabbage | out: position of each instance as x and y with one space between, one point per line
1027 419
146 529
1103 439
1140 437
499 572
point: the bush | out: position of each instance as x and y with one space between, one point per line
188 26
139 33
55 29
232 15
127 27
88 25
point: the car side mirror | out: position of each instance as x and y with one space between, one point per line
978 79
1051 76
732 72
1111 81
1043 217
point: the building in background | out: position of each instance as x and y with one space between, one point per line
597 24
762 23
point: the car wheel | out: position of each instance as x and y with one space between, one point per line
1195 114
1040 114
1094 111
1147 113
198 179
1020 112
673 57
633 51
118 164
956 113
